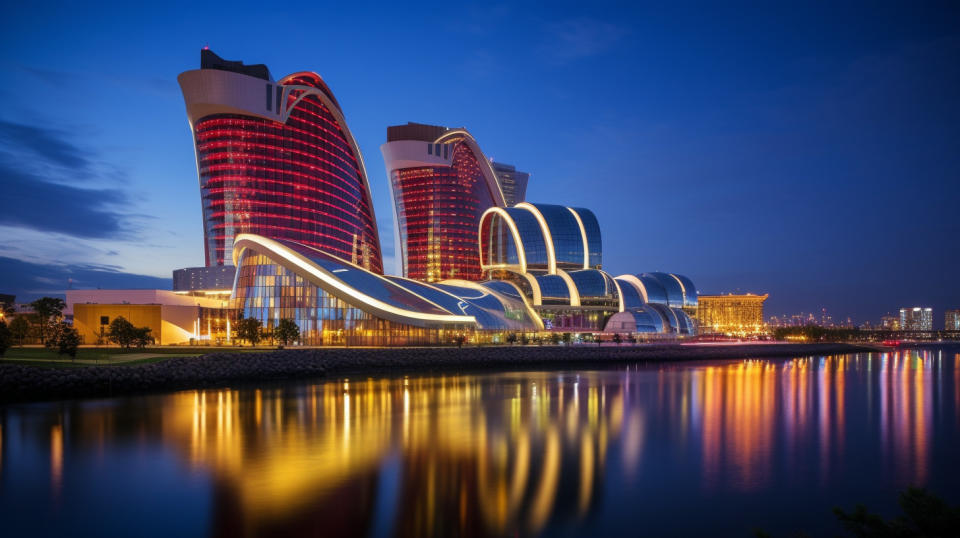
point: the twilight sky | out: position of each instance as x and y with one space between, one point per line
809 152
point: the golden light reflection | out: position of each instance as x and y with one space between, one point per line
464 455
56 458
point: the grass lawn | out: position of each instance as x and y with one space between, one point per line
86 356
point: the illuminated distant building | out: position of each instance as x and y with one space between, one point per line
951 320
890 323
276 159
216 277
739 315
512 182
916 319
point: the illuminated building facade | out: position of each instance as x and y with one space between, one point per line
951 320
735 315
441 183
275 158
286 201
916 319
890 323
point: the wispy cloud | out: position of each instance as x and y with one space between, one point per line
29 280
579 38
49 184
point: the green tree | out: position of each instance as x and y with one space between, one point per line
141 337
122 332
555 338
47 309
6 338
286 332
512 338
68 340
566 338
19 328
249 329
617 339
924 514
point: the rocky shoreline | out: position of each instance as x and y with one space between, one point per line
28 383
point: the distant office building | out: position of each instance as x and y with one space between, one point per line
441 183
276 159
916 319
512 182
890 323
217 277
951 320
739 315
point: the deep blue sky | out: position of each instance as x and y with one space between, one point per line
809 152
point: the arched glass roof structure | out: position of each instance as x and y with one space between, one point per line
539 237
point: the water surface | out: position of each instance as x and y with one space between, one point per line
714 448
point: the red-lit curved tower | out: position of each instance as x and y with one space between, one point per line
441 184
276 159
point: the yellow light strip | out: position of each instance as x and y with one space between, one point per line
583 235
637 283
572 286
325 280
535 286
619 292
521 254
548 238
683 290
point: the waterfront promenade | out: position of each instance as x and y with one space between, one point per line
20 382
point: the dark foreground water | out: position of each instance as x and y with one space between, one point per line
709 448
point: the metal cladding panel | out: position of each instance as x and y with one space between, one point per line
565 233
631 296
656 294
672 287
594 239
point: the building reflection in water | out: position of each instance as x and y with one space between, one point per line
506 453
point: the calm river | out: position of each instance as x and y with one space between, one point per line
709 448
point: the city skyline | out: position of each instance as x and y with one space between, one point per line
117 183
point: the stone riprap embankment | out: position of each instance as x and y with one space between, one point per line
29 383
